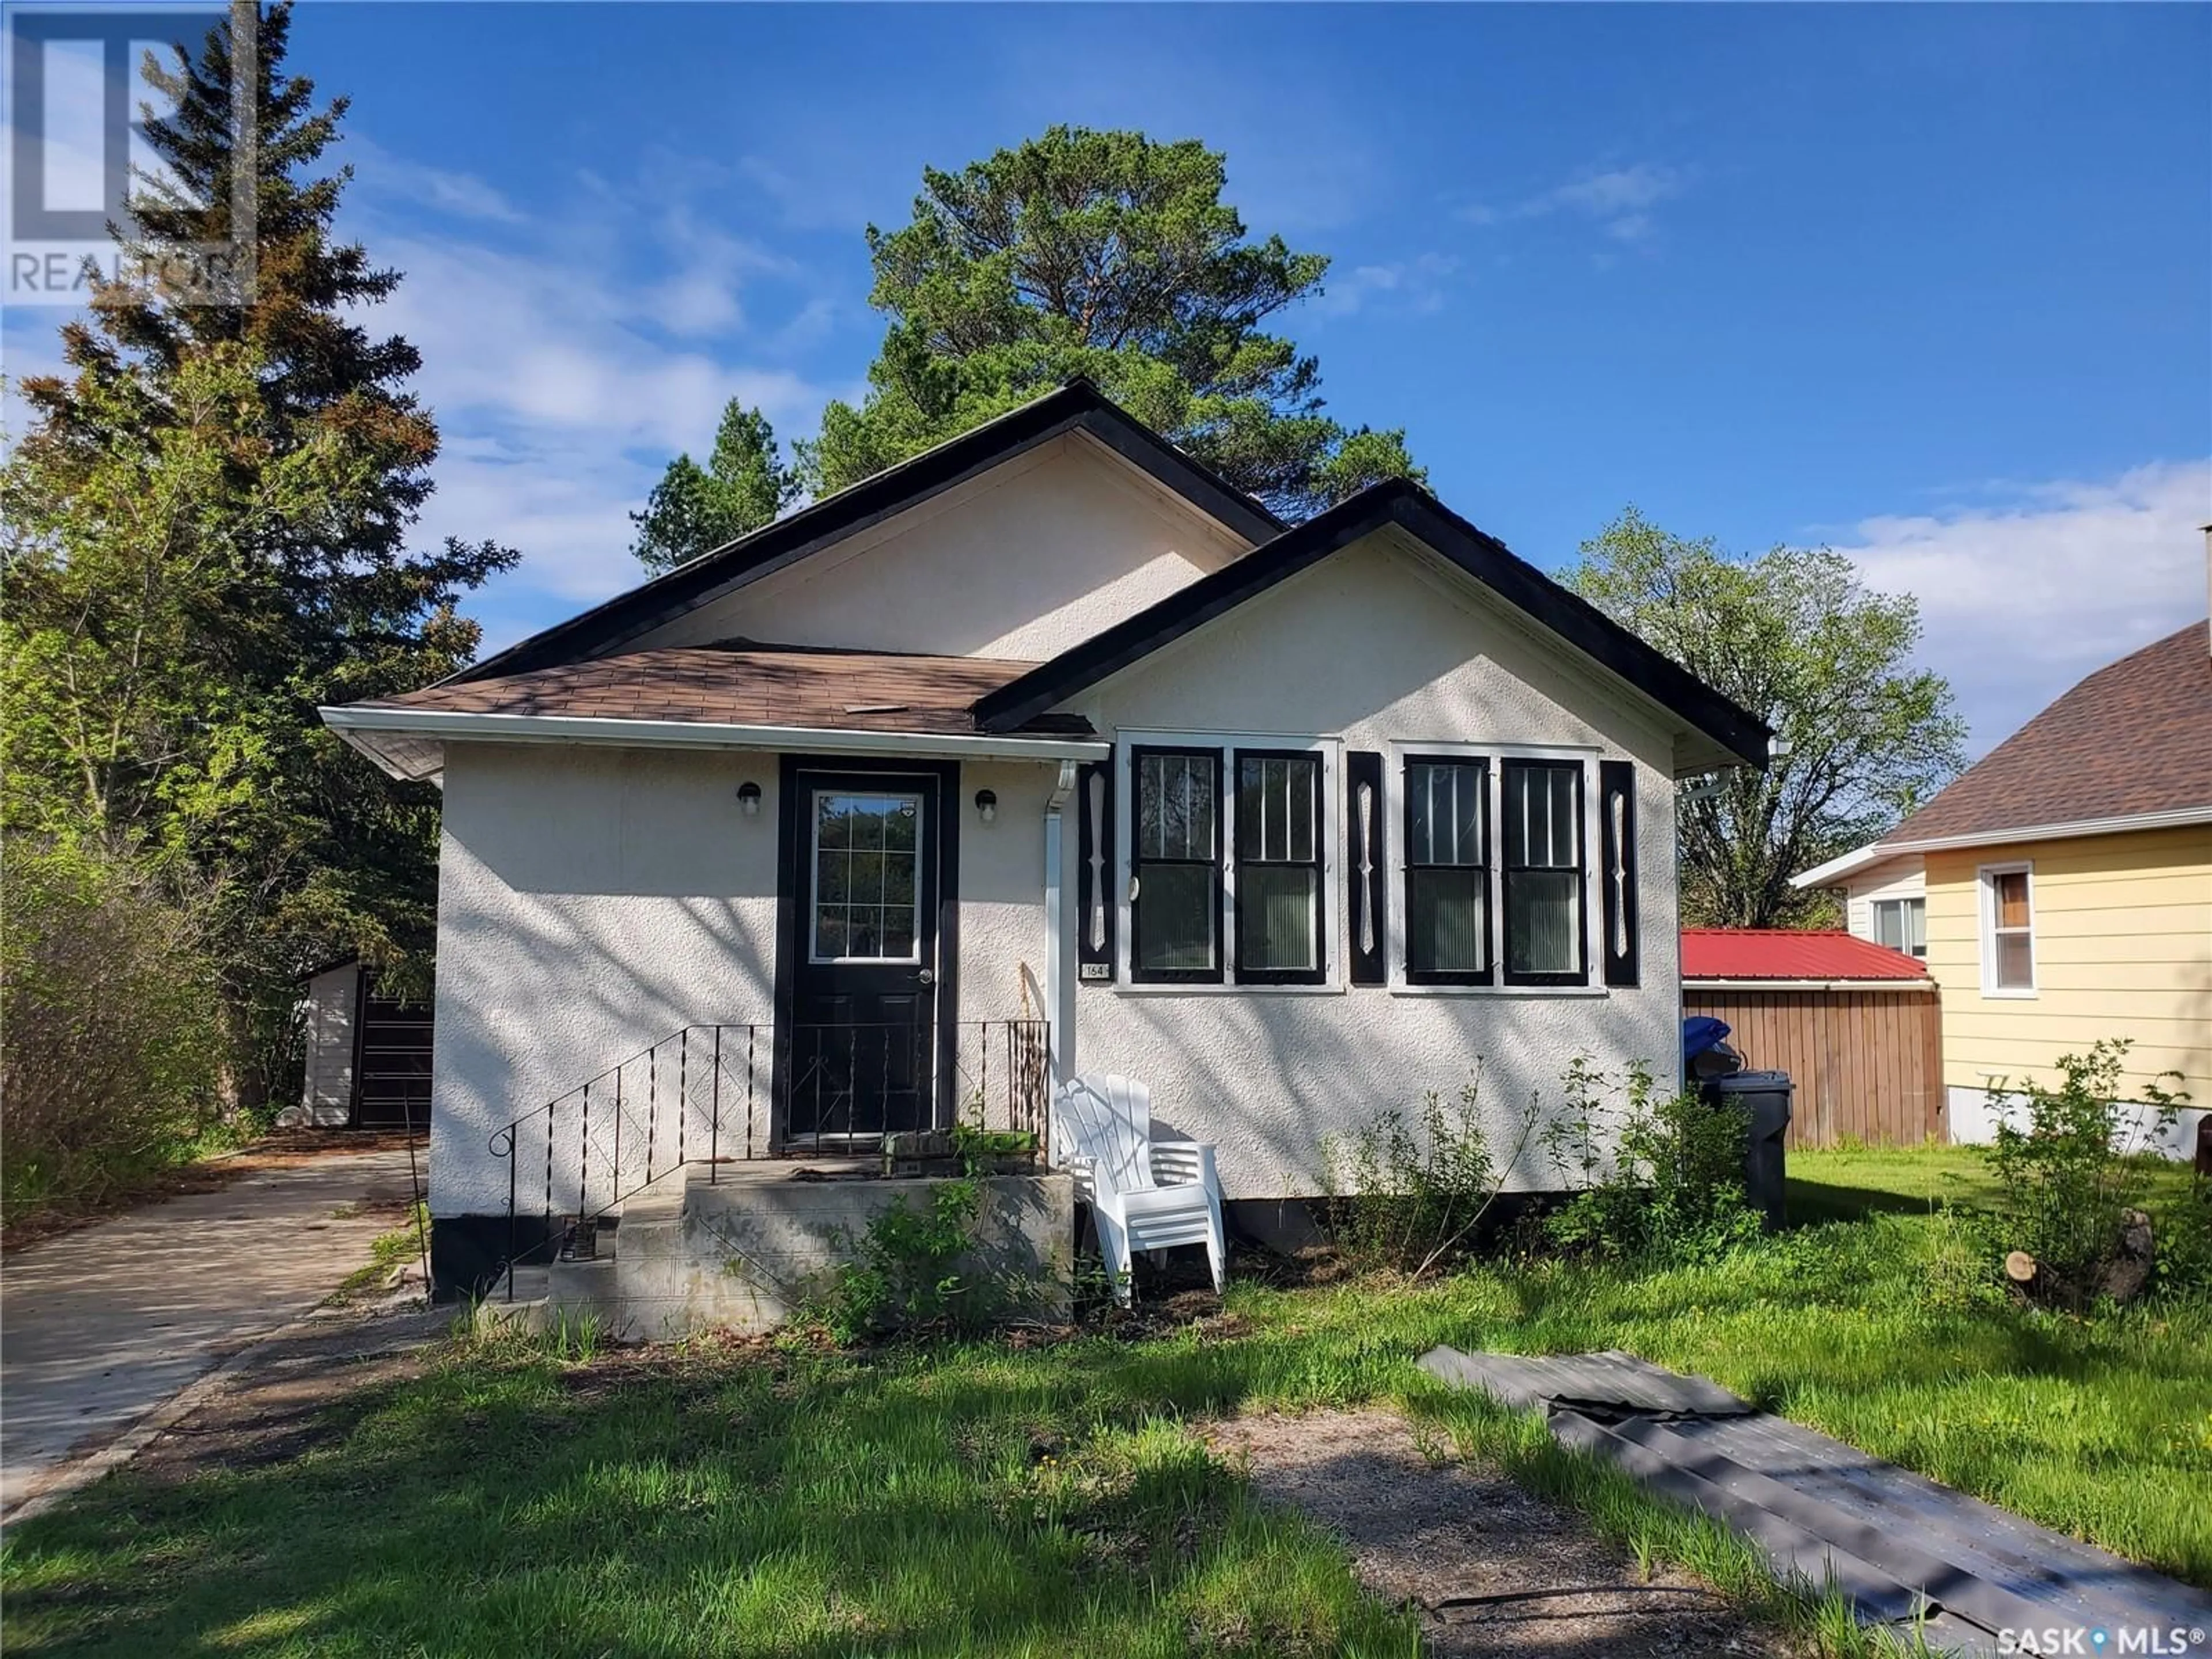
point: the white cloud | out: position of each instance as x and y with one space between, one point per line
392 178
566 361
1618 200
2023 597
1416 285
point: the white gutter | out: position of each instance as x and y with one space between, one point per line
1822 875
1689 984
1059 982
360 725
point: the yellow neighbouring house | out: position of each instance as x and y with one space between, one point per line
2061 891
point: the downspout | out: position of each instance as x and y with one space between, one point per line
1059 982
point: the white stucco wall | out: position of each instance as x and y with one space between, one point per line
590 902
1022 562
332 1012
593 900
1374 647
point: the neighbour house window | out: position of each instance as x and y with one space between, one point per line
1279 864
1175 899
2007 931
1902 925
1447 873
1541 815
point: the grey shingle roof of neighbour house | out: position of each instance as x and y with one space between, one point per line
2132 740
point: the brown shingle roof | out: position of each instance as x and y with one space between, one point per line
2132 739
745 684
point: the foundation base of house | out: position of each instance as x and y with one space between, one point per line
744 1248
2137 1126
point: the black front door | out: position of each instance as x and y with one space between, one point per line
859 1051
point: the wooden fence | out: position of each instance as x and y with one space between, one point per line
1868 1064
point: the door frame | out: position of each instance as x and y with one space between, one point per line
792 881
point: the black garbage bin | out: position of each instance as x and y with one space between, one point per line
1764 1097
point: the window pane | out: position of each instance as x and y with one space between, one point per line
1541 828
1275 807
1174 912
1175 806
1275 931
2016 968
1915 927
898 930
1444 814
2012 899
1543 922
829 930
900 825
1889 924
1444 920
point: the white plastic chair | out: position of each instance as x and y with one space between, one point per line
1146 1195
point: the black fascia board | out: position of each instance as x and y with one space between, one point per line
1481 556
1077 405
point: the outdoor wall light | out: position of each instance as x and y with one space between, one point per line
749 797
987 804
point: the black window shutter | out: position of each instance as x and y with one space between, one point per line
1616 871
1094 880
1365 879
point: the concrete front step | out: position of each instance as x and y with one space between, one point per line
742 1247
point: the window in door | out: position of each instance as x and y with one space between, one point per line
867 877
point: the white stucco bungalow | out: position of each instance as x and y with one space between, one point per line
1047 750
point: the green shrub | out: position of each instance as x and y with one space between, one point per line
906 1270
1654 1175
113 1064
1405 1197
2067 1178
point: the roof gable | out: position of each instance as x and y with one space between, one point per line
2133 739
1483 558
1077 406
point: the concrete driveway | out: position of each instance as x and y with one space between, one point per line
99 1326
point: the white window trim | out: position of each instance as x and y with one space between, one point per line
814 872
1985 883
1393 866
1334 938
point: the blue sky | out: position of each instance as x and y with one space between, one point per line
1931 285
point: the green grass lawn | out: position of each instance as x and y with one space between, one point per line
991 1499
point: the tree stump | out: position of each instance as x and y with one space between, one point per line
2124 1277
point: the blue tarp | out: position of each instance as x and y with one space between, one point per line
1699 1033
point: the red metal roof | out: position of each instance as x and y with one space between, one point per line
1789 953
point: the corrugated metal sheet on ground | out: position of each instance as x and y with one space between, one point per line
1901 1548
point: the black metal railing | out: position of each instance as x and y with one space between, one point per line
716 1095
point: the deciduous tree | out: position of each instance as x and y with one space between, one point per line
1795 637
